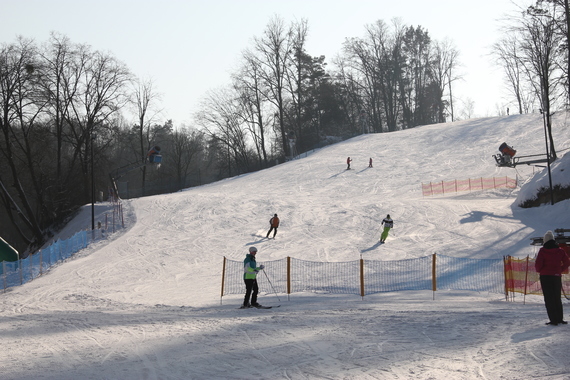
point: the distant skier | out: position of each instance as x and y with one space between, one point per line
274 224
250 270
370 162
348 161
388 224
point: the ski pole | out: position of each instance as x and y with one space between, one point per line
271 285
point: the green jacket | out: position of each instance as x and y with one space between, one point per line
250 267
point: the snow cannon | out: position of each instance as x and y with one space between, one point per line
507 150
506 156
7 252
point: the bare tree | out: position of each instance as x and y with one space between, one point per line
273 52
539 46
220 116
18 112
446 61
248 83
508 57
101 94
146 101
187 149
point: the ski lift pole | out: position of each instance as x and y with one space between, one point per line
271 285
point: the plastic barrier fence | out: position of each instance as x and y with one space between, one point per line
22 271
471 184
521 277
362 277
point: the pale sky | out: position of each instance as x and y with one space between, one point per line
190 47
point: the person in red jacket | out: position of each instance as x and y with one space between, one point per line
273 223
550 262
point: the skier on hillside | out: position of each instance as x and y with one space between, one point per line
250 270
550 262
274 224
370 162
388 224
348 161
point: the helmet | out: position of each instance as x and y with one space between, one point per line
252 249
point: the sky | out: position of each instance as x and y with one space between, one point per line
144 303
189 47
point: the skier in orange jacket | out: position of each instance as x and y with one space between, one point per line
274 223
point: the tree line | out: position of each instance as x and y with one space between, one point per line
71 115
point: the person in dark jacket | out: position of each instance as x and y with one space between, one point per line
550 262
388 224
274 224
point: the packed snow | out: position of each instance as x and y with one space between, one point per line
145 302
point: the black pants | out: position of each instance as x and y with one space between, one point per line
274 229
250 285
552 291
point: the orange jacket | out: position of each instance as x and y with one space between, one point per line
274 222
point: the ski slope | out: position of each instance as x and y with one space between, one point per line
145 303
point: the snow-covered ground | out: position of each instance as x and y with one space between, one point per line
145 304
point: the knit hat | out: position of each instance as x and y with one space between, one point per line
252 249
548 236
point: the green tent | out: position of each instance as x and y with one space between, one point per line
7 252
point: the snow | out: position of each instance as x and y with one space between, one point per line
145 303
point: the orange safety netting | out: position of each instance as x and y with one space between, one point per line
521 277
471 184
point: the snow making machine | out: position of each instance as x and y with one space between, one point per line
507 157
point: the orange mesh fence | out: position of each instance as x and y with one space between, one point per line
471 184
521 277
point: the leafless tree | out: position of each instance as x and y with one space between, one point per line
273 52
255 112
508 57
539 46
446 62
220 116
19 108
146 100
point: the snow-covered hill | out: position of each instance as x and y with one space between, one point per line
145 304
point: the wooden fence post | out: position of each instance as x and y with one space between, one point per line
525 279
507 276
288 275
433 274
362 277
223 276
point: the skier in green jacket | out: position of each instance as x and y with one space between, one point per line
250 270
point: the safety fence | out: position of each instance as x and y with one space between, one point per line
471 184
521 277
25 270
364 277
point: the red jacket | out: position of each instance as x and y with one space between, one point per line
551 260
